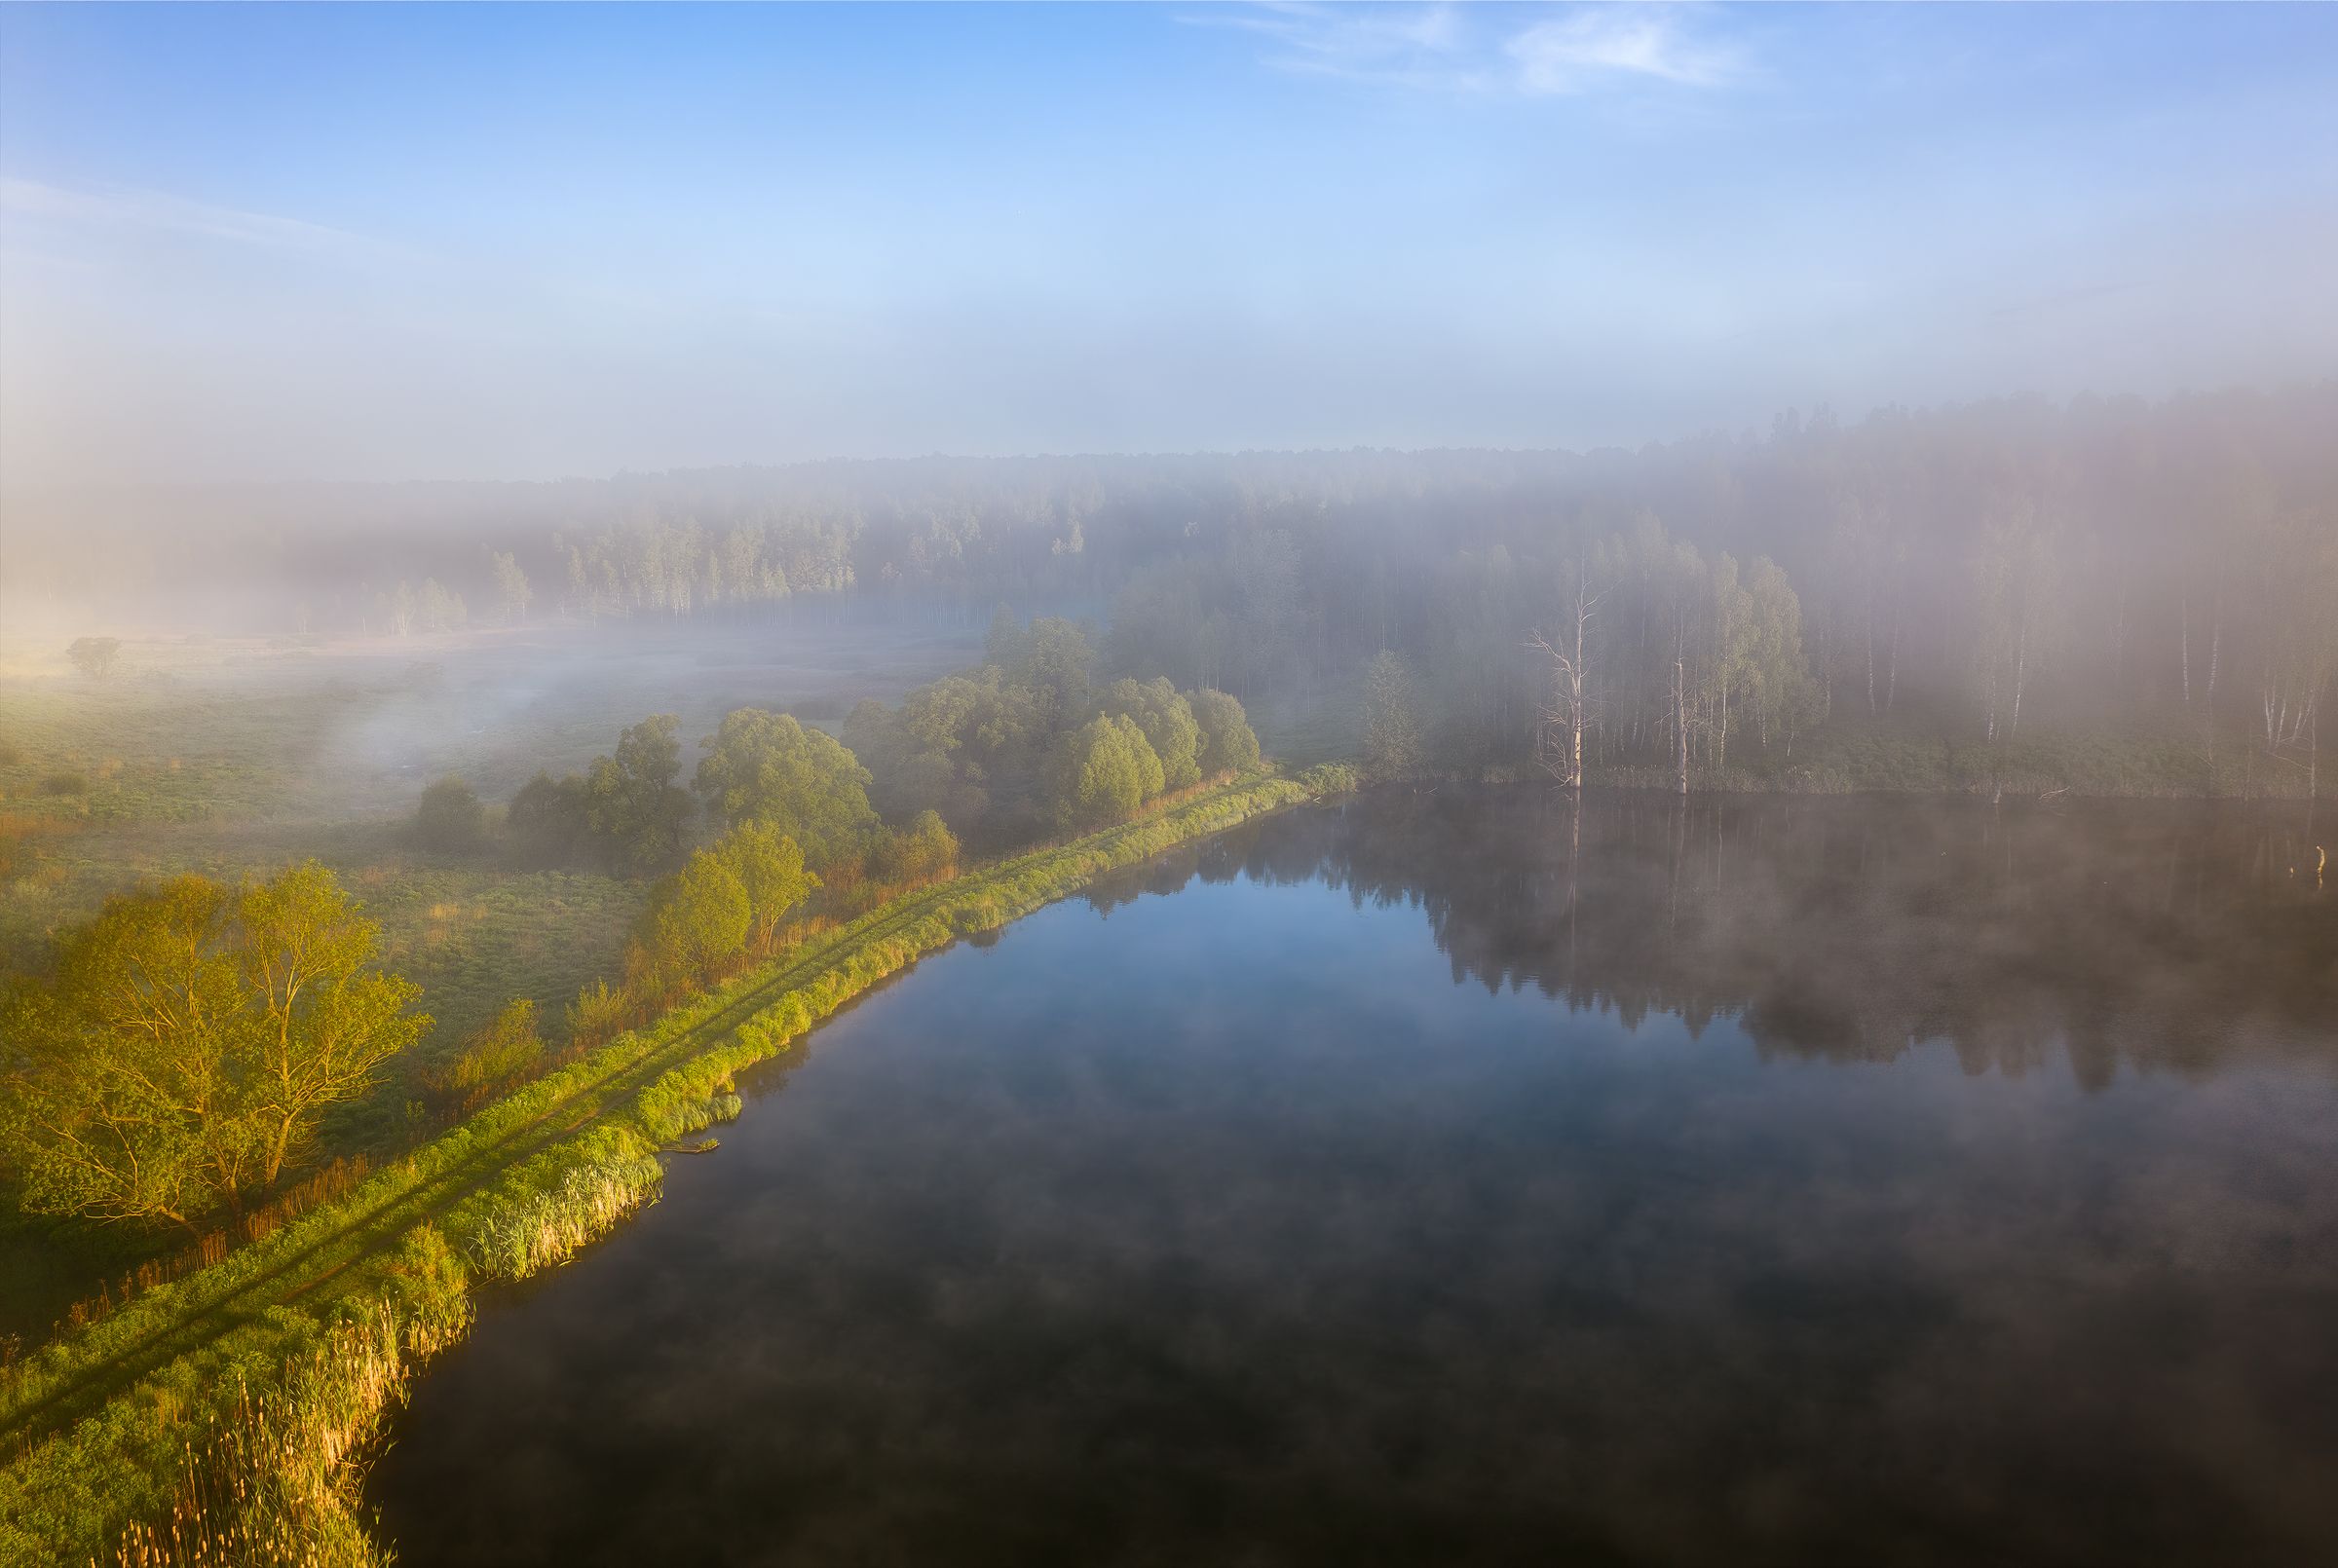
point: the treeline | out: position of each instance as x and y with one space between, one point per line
1647 647
1028 744
1979 571
1031 742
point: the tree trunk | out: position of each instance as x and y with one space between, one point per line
2184 643
2020 668
1576 679
2215 648
1891 683
1871 662
1680 722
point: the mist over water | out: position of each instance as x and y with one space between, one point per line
1791 551
1449 1177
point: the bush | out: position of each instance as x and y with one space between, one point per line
450 818
501 1054
599 1011
67 781
1329 779
546 820
925 851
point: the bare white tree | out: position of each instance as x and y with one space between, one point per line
1559 740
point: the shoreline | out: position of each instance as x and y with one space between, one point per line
233 1407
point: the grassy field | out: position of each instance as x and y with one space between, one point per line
233 758
293 1346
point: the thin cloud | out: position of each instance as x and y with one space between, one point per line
1445 47
156 211
1572 53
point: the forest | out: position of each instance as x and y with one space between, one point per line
1948 584
307 906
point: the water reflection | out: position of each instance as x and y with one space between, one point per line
1252 1225
2173 935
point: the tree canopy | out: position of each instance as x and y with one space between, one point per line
94 656
770 869
449 817
1226 742
633 809
190 1042
695 919
767 767
1105 769
1168 721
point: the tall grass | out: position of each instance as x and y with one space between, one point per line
238 1443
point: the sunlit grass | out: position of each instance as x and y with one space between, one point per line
505 1195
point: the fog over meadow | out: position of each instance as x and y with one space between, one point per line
1682 643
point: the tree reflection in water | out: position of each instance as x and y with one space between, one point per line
1242 1227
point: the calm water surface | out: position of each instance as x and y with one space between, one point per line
1447 1178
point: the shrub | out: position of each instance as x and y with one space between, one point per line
546 820
450 818
599 1011
498 1056
1329 779
925 851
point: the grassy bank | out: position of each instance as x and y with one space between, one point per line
219 1414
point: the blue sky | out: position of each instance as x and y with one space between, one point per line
423 242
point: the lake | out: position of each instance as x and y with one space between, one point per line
1460 1177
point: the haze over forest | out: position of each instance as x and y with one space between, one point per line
1684 642
1883 364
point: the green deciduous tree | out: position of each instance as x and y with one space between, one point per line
767 767
633 809
512 594
770 869
1104 770
191 1041
94 656
1226 742
695 919
1168 721
546 821
326 1019
1054 658
449 817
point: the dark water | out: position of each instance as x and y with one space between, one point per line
1443 1179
